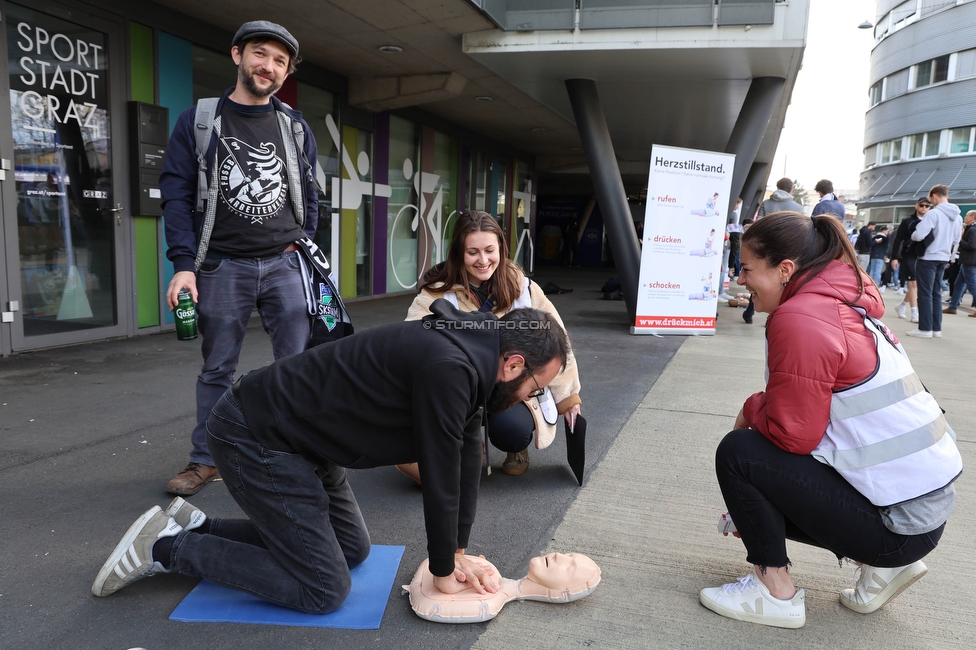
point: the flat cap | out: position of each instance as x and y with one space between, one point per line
266 29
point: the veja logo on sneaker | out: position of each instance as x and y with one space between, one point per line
759 607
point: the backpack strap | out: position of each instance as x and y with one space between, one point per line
203 122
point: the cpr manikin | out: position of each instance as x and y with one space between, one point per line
553 578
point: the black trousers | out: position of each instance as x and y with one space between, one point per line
774 495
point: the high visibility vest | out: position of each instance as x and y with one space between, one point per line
887 435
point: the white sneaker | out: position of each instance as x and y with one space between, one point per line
914 318
937 334
187 515
901 291
725 296
875 586
882 289
747 599
922 334
902 310
131 559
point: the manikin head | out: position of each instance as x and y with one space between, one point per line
561 572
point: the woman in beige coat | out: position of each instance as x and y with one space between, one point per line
479 276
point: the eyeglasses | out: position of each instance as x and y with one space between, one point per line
925 205
539 391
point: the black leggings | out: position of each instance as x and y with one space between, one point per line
774 495
512 430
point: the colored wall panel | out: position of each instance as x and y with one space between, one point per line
347 225
147 270
381 176
176 94
145 229
141 63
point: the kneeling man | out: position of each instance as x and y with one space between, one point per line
404 392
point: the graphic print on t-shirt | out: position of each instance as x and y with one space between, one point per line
252 180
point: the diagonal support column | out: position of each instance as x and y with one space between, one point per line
750 189
605 172
747 134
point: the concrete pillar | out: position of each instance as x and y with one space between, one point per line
605 172
747 134
750 190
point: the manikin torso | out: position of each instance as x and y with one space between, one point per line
552 578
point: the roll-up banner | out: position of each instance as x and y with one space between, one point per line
684 230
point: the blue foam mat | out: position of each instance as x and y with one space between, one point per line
363 609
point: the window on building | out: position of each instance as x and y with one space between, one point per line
871 156
874 94
923 145
896 84
932 71
890 151
966 64
961 140
403 211
903 15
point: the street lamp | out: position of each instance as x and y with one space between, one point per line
865 25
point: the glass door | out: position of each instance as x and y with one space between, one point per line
62 203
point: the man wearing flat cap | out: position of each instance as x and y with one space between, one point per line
233 213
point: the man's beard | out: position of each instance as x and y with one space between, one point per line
504 395
247 78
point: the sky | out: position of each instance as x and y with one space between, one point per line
823 134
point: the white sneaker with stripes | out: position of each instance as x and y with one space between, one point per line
132 558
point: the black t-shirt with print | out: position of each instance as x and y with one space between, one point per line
254 214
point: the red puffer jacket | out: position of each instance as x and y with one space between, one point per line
815 344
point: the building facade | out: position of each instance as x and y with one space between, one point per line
921 121
420 109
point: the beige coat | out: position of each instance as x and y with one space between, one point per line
565 387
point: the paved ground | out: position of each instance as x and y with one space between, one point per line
89 434
648 516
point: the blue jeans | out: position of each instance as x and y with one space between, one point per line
967 281
228 294
875 269
304 529
774 495
928 275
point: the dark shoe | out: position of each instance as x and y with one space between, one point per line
973 315
747 318
190 480
516 464
948 310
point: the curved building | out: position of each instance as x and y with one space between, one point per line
921 121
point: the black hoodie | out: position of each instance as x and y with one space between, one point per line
397 393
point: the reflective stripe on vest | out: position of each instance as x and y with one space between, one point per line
887 435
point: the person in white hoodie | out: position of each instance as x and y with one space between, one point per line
941 232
